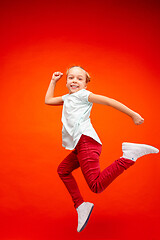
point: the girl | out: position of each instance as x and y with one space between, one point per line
79 136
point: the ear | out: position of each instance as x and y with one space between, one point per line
86 86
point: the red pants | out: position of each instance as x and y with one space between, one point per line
86 155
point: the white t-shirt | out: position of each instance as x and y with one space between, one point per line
76 118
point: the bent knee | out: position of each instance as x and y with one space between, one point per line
60 170
96 188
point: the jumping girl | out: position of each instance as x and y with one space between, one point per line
79 136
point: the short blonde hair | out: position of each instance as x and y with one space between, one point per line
88 78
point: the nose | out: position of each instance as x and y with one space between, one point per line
74 80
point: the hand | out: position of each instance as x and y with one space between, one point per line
137 119
56 76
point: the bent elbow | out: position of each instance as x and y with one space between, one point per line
46 101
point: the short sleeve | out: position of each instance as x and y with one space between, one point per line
84 94
64 97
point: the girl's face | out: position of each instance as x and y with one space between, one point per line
76 80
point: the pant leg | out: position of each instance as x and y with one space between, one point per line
88 155
64 170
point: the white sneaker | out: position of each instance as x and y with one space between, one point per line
133 151
84 212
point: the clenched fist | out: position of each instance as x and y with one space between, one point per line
137 119
56 76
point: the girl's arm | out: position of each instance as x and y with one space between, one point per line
94 98
49 98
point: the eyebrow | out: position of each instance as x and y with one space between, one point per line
73 74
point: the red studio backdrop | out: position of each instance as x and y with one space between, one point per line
117 42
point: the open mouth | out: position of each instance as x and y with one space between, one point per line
74 86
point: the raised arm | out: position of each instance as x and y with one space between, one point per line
49 98
94 98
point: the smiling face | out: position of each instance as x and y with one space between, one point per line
76 80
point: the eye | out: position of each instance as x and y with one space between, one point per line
80 78
70 77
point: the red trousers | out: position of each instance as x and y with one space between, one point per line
86 156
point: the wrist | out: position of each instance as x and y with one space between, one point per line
53 81
132 114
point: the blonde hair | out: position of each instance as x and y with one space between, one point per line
88 78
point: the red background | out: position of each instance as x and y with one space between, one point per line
117 42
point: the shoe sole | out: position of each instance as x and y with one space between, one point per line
126 145
86 219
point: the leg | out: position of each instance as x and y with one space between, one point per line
88 155
64 170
